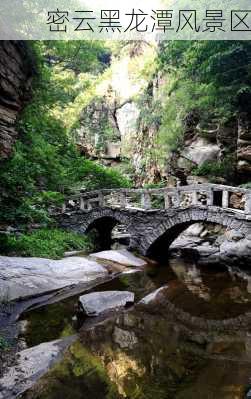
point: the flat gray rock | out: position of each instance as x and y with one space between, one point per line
31 364
122 256
24 277
97 302
236 251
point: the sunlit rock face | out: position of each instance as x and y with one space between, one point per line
127 117
201 150
244 145
108 124
16 71
98 129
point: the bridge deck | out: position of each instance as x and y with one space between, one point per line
210 195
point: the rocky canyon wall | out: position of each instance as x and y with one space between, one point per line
16 71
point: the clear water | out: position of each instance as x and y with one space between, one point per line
154 351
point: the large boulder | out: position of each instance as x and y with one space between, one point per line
30 365
199 151
98 302
236 251
123 257
25 277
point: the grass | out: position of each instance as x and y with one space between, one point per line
46 243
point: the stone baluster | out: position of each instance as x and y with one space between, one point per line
82 204
123 200
177 199
64 207
89 205
210 198
101 199
248 203
225 199
168 202
146 200
194 198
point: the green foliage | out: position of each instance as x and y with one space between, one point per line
45 163
161 184
222 63
211 78
46 243
79 55
94 176
224 168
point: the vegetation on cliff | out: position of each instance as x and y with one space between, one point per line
45 163
208 84
172 94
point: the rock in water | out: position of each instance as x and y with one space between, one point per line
153 296
123 257
30 365
97 302
24 277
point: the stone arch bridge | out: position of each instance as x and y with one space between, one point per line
155 217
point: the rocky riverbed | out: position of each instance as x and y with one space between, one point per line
169 345
34 282
188 320
212 244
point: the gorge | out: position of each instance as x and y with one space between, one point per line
125 189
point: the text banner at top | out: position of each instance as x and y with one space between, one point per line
132 20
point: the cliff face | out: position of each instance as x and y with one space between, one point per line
146 116
244 145
109 123
16 71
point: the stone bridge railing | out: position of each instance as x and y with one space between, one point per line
226 197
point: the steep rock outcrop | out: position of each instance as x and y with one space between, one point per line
16 71
244 145
201 150
147 168
98 134
109 122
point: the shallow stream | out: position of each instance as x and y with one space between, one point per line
182 347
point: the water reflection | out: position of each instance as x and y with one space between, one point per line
193 340
211 293
190 275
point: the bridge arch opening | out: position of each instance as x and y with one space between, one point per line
166 244
105 231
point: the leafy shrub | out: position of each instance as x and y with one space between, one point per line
225 168
161 184
46 243
93 176
45 163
